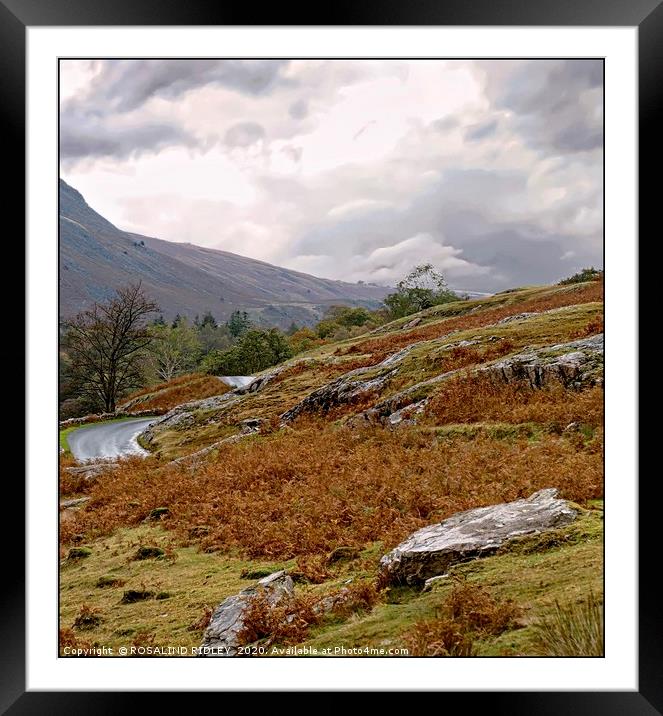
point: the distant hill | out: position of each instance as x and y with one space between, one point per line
96 258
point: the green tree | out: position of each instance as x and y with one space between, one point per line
422 288
239 323
208 320
586 274
106 346
256 350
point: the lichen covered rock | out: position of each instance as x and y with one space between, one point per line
472 534
221 637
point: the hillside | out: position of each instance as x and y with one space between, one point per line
96 258
327 462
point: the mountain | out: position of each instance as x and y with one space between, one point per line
96 258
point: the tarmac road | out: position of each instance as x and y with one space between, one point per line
108 440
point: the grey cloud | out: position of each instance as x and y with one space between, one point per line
454 213
244 134
298 109
481 131
556 103
445 124
88 137
125 85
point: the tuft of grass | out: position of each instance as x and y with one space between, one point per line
77 553
571 630
136 595
87 618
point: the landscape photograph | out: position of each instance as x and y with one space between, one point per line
331 358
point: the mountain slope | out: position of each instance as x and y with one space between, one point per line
96 258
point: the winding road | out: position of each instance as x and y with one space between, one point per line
236 381
118 438
108 440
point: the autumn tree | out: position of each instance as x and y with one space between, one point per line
174 349
106 345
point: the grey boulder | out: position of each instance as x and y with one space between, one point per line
221 637
468 535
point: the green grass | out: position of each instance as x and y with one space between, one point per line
194 580
64 434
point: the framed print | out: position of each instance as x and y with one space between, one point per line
331 353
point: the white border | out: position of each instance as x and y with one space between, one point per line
618 670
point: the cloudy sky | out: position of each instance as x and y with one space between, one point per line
491 170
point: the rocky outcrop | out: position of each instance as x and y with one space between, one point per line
573 364
248 427
100 417
338 392
411 324
408 414
189 414
517 317
92 470
348 387
261 381
472 534
393 410
75 502
222 636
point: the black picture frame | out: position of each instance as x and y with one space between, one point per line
17 15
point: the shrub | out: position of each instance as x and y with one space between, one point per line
87 618
469 613
256 350
422 288
586 274
289 622
571 630
203 622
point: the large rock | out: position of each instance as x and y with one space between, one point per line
349 387
221 637
472 534
574 364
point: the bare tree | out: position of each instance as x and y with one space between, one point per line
106 343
